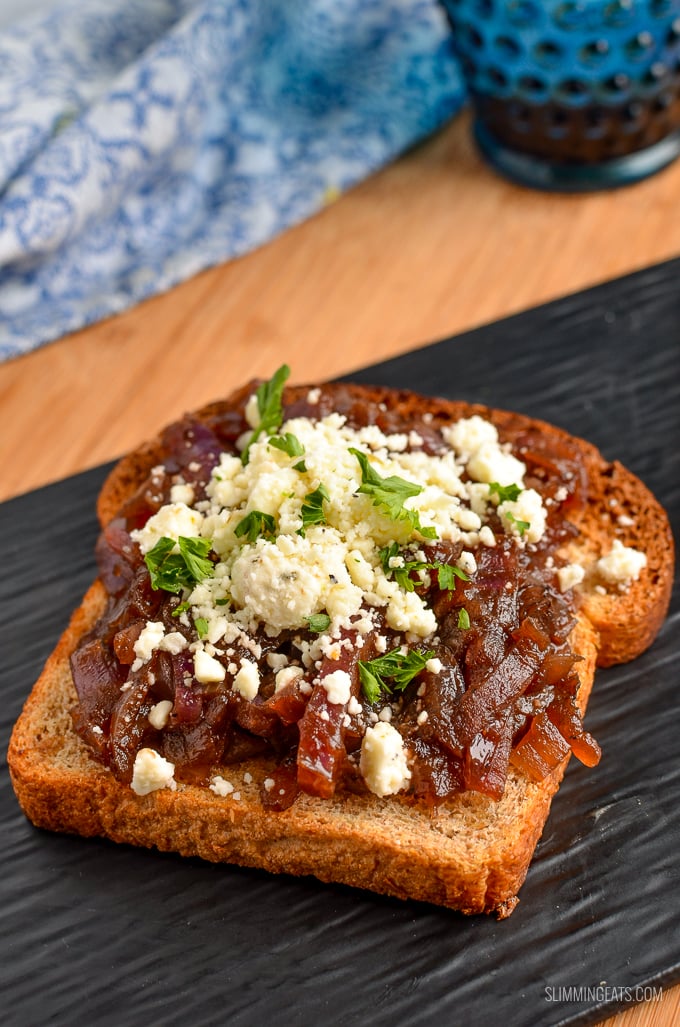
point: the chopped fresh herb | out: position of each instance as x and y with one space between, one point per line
201 626
446 574
254 525
318 622
398 667
300 466
401 573
463 619
312 508
521 526
287 443
182 608
222 602
269 406
505 493
391 494
174 571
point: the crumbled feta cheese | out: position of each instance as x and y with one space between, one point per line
337 685
174 642
159 714
182 493
383 761
354 706
247 680
149 640
434 665
152 772
490 464
207 669
220 786
469 434
622 564
528 507
467 563
569 576
171 521
286 676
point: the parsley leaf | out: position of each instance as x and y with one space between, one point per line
269 406
287 443
463 619
182 608
318 622
255 524
174 571
391 494
398 667
201 626
446 573
402 573
505 492
312 508
521 526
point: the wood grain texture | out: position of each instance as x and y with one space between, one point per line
433 245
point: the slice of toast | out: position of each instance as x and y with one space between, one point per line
472 853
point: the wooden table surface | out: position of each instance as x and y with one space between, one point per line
433 245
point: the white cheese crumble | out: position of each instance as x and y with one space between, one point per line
152 772
621 565
247 680
171 521
207 669
220 786
286 676
569 576
527 509
160 714
383 761
337 685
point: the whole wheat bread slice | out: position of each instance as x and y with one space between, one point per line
473 853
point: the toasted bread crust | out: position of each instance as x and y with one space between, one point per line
472 854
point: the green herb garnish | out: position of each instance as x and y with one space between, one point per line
174 571
521 526
463 619
312 508
446 573
318 622
182 608
269 406
201 626
390 494
505 493
254 525
287 443
398 667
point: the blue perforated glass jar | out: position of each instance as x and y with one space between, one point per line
572 94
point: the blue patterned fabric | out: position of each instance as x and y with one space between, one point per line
144 140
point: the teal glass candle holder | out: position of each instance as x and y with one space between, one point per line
572 95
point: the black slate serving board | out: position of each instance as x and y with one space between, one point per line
103 934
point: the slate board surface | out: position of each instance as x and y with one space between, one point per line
102 934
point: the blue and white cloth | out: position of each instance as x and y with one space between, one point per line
144 140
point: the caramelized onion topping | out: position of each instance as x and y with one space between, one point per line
503 694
